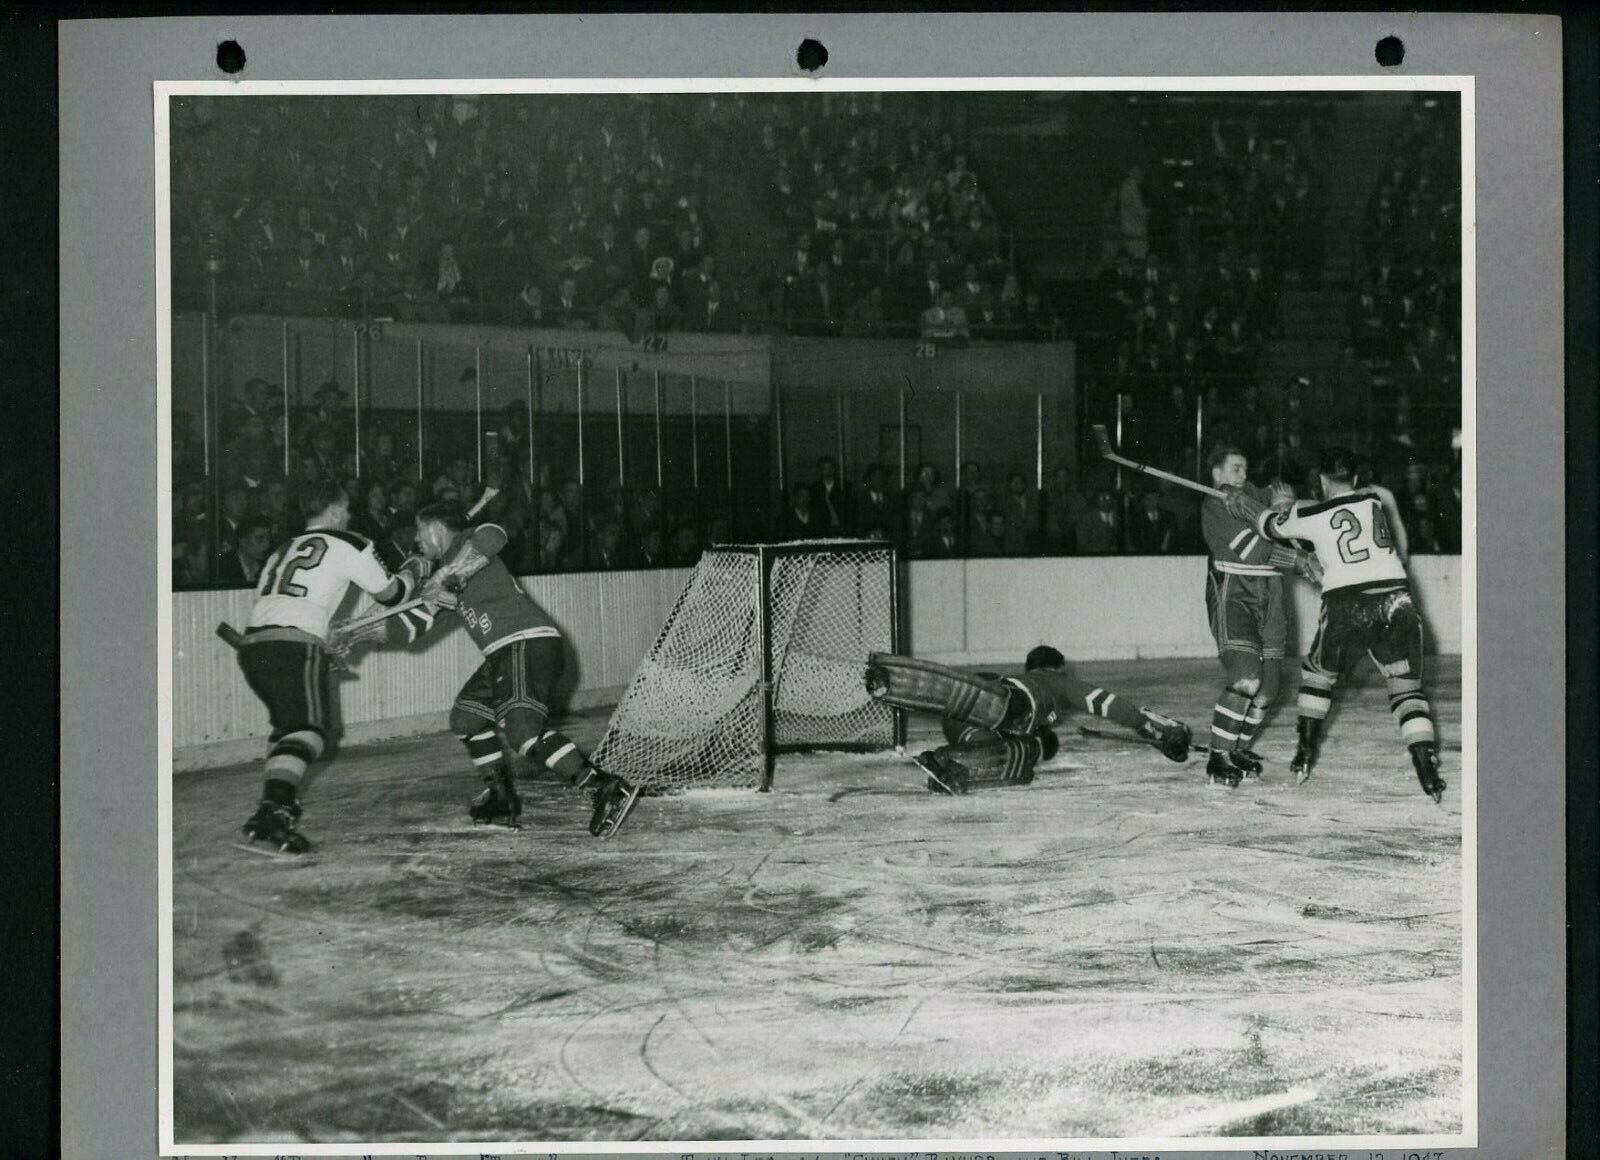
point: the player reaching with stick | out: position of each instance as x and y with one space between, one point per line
999 728
505 705
284 650
1366 608
1247 607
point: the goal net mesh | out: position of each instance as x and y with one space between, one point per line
693 714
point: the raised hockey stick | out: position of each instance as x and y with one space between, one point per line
1100 735
1103 442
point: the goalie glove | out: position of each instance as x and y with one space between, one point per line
1242 505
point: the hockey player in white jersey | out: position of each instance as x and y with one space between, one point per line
284 654
1366 609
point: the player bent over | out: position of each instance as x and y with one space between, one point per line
1000 727
1366 609
505 704
284 657
1246 605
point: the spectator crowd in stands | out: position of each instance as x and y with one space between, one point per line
888 227
592 212
1243 209
557 525
570 212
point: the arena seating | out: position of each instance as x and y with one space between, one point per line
830 214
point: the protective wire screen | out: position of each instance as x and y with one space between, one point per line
693 714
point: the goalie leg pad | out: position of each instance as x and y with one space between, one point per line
997 761
924 687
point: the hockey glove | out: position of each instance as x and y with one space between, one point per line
1242 505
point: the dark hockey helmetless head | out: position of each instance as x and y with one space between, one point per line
1336 466
325 505
1044 657
1229 465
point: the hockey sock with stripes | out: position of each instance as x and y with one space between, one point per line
287 763
1261 701
560 754
1228 720
1316 694
1410 708
483 748
1253 718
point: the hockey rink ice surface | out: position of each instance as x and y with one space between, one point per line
1117 950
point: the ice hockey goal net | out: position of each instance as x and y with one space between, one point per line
764 653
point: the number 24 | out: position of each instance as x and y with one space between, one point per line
1348 525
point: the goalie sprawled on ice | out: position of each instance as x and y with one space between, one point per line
999 728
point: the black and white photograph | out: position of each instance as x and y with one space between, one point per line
817 613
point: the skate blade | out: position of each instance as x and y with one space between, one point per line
269 852
935 778
614 821
1302 777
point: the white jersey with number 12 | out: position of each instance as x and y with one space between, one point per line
303 582
1351 535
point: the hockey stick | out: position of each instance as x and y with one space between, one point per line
235 640
480 547
351 626
1103 443
1098 735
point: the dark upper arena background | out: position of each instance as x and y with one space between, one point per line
937 292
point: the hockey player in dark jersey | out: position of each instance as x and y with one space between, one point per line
1247 606
505 705
999 728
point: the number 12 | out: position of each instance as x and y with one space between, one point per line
305 557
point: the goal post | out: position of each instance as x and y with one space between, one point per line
764 653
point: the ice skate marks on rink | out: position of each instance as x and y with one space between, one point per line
1117 950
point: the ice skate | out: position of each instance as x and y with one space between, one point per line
1305 753
944 776
273 823
1222 769
498 801
1248 762
612 801
1426 759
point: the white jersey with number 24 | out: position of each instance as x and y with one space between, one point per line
1351 535
303 582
